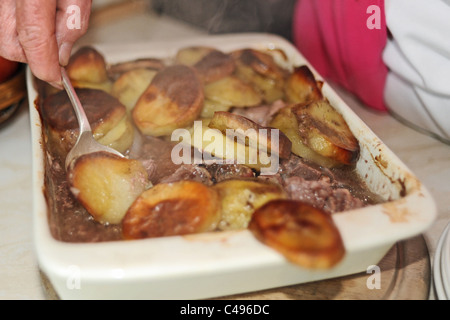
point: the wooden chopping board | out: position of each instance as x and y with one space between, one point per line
405 275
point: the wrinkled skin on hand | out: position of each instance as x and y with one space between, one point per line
36 32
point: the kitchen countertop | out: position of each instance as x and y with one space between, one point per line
20 277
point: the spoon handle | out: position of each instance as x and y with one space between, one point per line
79 111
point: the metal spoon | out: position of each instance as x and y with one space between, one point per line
86 142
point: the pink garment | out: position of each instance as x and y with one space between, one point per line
334 36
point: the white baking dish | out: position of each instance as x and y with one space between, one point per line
219 264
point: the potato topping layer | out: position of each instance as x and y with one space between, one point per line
189 128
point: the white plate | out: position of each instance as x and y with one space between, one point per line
445 262
219 264
441 266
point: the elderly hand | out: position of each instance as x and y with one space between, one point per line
38 33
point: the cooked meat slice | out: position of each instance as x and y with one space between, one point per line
320 194
190 172
221 172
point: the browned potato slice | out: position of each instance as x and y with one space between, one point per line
106 185
213 143
232 91
120 137
116 70
105 86
106 115
302 87
129 87
241 197
214 66
261 62
170 209
270 89
210 107
88 65
191 55
261 71
224 121
325 131
279 55
305 235
286 122
173 100
87 69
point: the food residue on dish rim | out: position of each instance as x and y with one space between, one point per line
395 211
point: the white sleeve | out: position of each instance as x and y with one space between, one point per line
418 56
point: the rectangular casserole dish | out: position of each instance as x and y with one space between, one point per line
219 264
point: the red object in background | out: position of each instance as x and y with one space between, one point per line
334 36
7 69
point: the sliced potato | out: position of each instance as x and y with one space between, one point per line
305 235
219 148
244 127
106 115
121 137
261 62
106 185
232 91
325 131
191 55
286 122
117 69
173 100
129 87
261 71
87 65
170 209
241 197
302 87
214 66
280 56
210 107
271 90
104 86
87 69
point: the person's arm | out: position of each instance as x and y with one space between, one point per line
36 32
344 41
